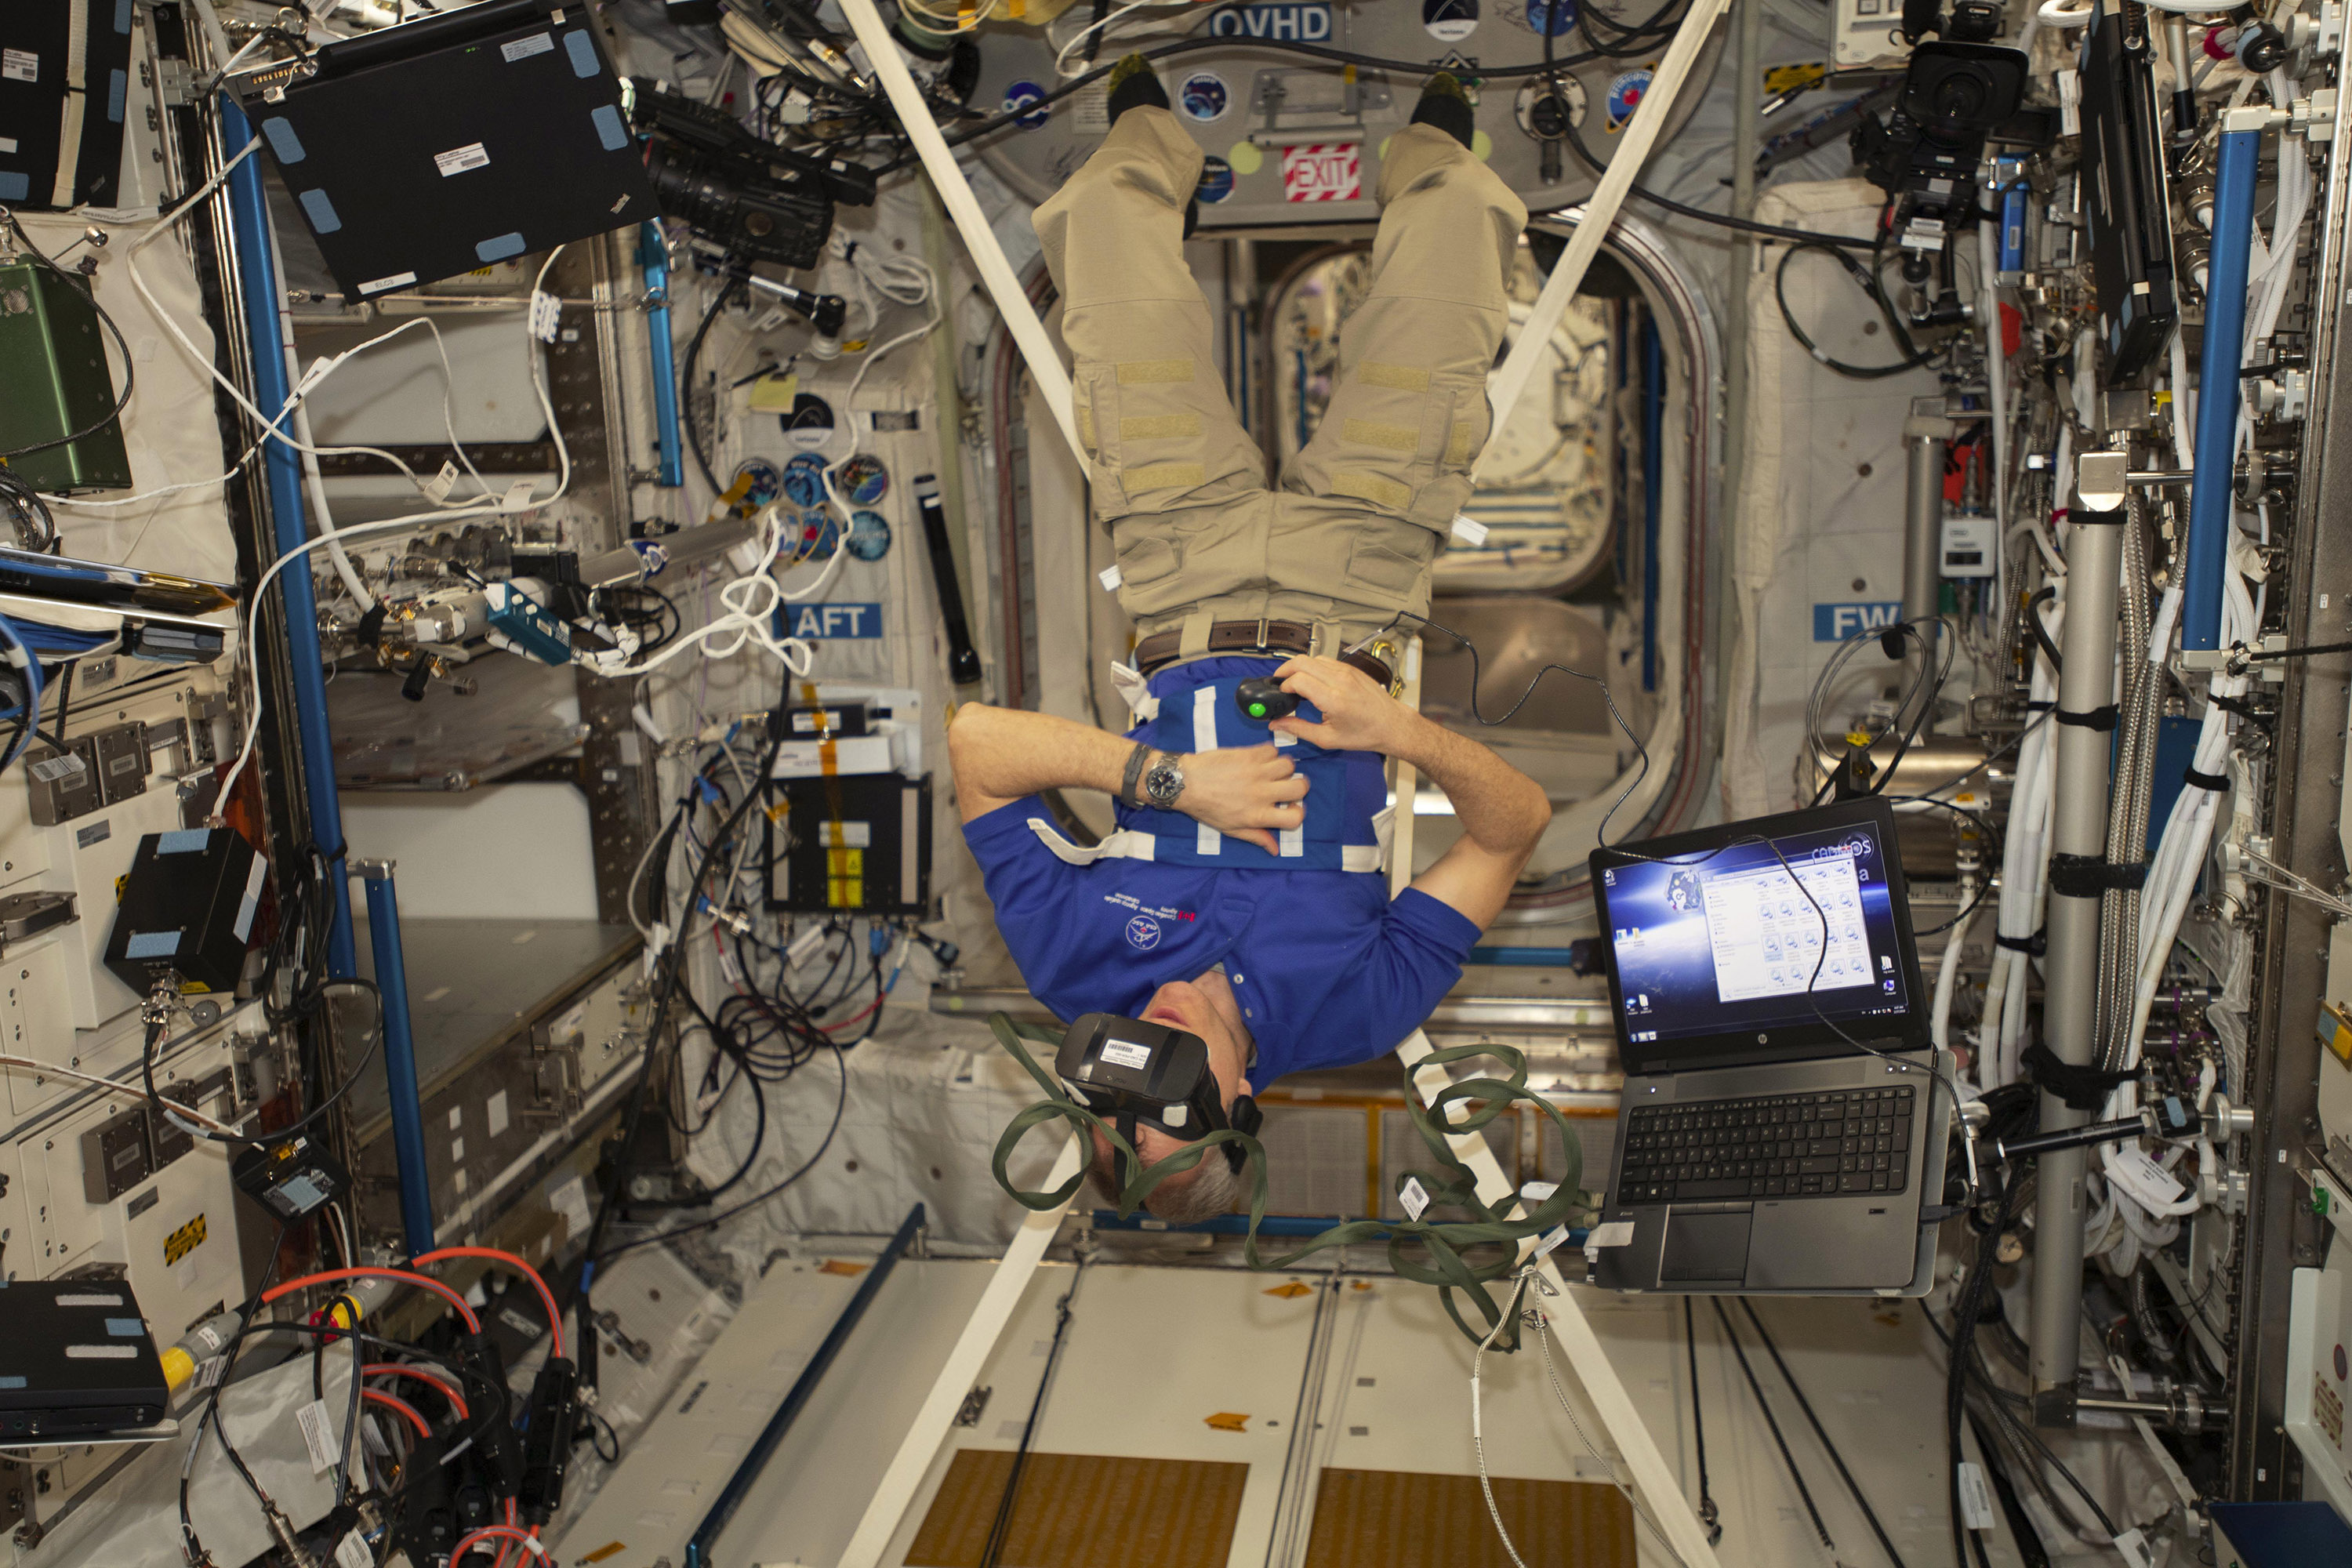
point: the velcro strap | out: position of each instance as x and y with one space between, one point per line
2241 708
2080 1088
2037 944
2217 782
2096 719
2089 875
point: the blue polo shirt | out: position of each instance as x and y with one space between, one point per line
1327 968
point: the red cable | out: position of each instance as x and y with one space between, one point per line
424 1281
546 1295
466 1543
378 1397
402 1368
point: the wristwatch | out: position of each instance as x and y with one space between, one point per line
1164 783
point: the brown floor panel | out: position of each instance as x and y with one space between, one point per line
1389 1518
1083 1510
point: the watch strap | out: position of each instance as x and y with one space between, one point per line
1135 761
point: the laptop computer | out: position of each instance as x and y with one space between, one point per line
451 142
1762 1149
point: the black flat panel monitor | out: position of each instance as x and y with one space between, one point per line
445 145
2124 190
65 87
1772 940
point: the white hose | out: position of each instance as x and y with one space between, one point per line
1948 970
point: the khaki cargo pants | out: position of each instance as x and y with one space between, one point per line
1348 538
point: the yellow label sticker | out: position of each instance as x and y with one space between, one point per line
610 1549
1292 1291
1228 1421
844 1267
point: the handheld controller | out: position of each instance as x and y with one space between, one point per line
1262 700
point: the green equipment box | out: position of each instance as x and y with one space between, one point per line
53 363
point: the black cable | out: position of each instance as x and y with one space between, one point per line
1985 885
2041 631
735 281
1413 68
1868 278
2030 1550
840 1105
666 992
90 293
2249 656
1721 220
1001 1529
154 1037
1836 1457
191 1544
1709 1515
1787 1459
1606 696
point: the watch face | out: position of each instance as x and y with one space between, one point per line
1163 784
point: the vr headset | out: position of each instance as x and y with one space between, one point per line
1132 1073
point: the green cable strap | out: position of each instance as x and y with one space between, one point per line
1423 1251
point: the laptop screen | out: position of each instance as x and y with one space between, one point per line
1753 937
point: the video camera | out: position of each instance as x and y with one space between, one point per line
757 201
1960 91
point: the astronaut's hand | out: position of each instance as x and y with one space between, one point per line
1358 715
1244 792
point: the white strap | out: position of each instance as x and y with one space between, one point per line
1206 840
1126 844
1134 688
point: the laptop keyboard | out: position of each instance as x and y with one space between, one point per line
1780 1146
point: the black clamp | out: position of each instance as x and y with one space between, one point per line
2217 782
2089 875
2101 719
2034 946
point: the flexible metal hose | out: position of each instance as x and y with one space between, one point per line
2135 778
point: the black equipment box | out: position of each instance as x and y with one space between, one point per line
852 843
61 112
187 909
446 144
77 1362
2123 174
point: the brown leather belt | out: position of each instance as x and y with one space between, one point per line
1269 638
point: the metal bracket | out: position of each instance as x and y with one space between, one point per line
2246 861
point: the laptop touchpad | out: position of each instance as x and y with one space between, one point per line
1703 1247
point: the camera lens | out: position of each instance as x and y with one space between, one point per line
1962 95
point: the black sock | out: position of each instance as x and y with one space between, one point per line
1192 216
1449 112
1140 88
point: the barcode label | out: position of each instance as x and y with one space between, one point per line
50 770
1975 1498
1414 1197
317 1436
523 48
457 160
19 64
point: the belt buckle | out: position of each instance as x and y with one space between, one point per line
1263 623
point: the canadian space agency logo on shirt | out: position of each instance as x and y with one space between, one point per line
1143 933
